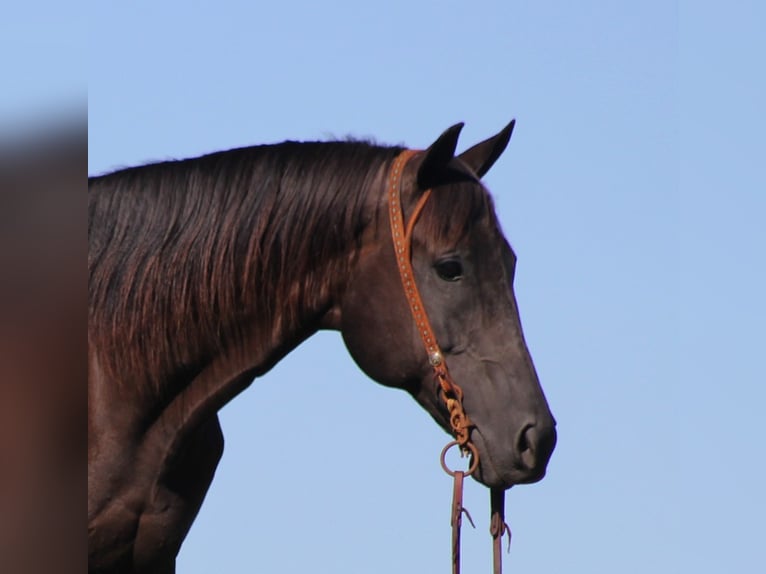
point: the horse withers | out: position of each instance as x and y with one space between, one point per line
204 273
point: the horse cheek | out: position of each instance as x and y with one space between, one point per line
373 330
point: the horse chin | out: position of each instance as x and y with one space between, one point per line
499 472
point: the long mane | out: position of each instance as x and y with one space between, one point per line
183 254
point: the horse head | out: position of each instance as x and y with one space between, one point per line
464 269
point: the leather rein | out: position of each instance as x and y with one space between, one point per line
450 391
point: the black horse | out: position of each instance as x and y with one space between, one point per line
204 273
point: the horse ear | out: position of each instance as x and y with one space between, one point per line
439 166
482 156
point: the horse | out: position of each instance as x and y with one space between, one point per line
205 272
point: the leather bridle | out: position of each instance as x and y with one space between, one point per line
450 391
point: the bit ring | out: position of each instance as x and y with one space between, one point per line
474 460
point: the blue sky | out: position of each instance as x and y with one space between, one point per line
633 192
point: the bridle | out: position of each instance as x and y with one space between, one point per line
450 391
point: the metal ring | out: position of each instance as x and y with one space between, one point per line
474 462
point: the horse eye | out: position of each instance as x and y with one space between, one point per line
450 269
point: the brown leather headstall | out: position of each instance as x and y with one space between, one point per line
451 393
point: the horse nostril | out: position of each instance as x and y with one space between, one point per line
534 446
525 446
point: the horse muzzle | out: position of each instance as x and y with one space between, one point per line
523 460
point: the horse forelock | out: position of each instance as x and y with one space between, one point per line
453 212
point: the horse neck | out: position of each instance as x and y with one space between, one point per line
299 312
309 299
221 302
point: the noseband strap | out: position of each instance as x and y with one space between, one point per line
451 393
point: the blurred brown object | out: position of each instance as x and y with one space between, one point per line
43 392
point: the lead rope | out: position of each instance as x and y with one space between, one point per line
450 391
456 519
456 516
498 527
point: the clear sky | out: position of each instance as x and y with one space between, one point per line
634 194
